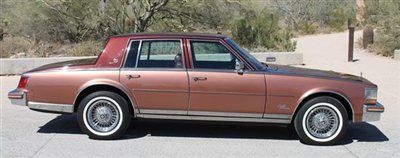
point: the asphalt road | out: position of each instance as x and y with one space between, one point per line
26 133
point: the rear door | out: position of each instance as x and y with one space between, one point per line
155 74
216 89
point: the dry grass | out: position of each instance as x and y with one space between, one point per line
20 47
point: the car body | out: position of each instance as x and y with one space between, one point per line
193 77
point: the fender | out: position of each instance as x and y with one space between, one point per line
321 90
112 83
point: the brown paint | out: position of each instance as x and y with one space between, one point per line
253 92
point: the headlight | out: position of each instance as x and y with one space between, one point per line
370 96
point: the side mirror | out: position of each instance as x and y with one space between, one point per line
239 67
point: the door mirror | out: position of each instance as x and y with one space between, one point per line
239 66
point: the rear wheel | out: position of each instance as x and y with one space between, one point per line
321 121
104 115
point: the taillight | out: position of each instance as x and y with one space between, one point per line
23 82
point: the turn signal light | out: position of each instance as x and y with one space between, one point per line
23 81
370 96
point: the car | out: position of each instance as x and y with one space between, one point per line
199 77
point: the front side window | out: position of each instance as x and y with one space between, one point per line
155 54
211 55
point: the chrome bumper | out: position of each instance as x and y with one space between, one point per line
372 112
18 97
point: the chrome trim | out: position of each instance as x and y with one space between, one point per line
169 112
152 69
17 97
214 114
145 40
51 107
160 90
277 116
372 115
138 53
213 118
345 98
225 114
227 93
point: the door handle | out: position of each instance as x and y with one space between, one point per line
132 76
199 78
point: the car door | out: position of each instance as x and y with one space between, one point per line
155 74
217 89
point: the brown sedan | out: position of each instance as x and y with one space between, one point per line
196 77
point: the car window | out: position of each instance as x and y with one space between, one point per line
160 54
211 55
132 54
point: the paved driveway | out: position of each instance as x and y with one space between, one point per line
26 133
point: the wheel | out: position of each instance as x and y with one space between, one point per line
321 121
104 115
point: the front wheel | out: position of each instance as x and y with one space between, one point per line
321 121
104 115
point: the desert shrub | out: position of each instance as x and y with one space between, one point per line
87 48
384 15
305 27
338 19
263 31
19 47
312 16
387 37
11 46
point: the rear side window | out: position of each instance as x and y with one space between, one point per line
160 54
132 54
155 54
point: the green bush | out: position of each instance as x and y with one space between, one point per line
384 15
387 37
263 31
305 27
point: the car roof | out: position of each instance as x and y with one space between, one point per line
181 35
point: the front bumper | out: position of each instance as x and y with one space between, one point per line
18 97
372 112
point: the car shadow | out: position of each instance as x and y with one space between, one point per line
67 124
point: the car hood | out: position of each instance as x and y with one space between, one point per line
63 64
296 71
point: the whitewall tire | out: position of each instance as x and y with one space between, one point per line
104 115
321 121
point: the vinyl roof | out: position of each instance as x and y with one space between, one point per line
172 35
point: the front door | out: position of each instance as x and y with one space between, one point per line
155 74
217 89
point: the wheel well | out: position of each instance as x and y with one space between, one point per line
96 88
342 100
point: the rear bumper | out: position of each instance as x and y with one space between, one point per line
18 97
372 112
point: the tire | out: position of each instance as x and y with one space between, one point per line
320 114
110 115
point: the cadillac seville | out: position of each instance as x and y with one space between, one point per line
196 77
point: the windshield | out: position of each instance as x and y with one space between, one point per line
248 56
